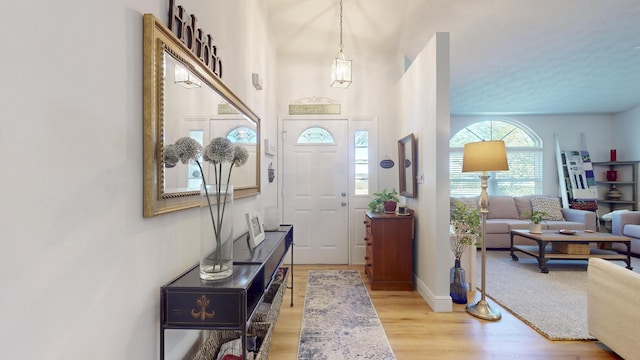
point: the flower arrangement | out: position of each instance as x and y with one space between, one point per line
218 152
464 227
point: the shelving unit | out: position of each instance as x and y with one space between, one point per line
627 183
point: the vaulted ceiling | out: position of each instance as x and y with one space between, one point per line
507 56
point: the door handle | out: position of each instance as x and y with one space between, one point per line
343 203
343 194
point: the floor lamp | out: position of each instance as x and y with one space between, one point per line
484 156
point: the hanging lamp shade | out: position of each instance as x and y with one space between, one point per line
185 78
341 66
341 71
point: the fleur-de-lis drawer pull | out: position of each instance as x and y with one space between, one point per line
201 311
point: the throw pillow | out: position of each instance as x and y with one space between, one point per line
550 205
523 204
502 207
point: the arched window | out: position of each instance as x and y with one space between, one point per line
524 154
315 135
243 135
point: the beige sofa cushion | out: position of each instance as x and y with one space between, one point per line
502 207
498 226
567 225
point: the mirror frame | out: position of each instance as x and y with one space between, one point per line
410 142
157 39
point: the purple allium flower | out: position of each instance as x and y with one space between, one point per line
219 150
240 155
188 149
170 156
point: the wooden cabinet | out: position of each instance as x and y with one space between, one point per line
626 180
389 251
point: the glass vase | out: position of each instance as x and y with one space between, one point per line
458 286
216 235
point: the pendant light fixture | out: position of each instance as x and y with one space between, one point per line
341 67
185 78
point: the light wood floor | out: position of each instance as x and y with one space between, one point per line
416 332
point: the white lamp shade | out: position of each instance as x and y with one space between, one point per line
341 71
485 156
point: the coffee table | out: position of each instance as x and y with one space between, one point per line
544 252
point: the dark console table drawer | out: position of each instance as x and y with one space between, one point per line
192 303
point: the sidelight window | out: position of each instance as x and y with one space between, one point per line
193 170
361 162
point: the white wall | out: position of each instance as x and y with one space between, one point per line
80 267
597 129
424 106
625 132
370 94
625 129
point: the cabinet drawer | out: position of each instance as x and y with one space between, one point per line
203 309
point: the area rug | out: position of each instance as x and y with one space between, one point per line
554 304
339 320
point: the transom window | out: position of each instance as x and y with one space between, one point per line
524 154
315 135
243 135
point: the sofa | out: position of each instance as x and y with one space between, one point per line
612 303
626 223
508 213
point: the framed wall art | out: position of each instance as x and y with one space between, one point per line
256 228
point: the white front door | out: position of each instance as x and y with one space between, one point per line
316 189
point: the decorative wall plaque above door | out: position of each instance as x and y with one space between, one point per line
314 106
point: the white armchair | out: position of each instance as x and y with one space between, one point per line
613 306
627 223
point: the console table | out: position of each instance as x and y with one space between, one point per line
187 302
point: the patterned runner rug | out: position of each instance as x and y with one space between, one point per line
554 304
339 320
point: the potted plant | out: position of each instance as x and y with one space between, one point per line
384 201
465 224
536 218
464 230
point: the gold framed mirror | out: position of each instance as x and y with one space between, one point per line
407 166
182 97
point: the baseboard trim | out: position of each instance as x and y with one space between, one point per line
437 303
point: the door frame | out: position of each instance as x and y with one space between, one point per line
357 204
